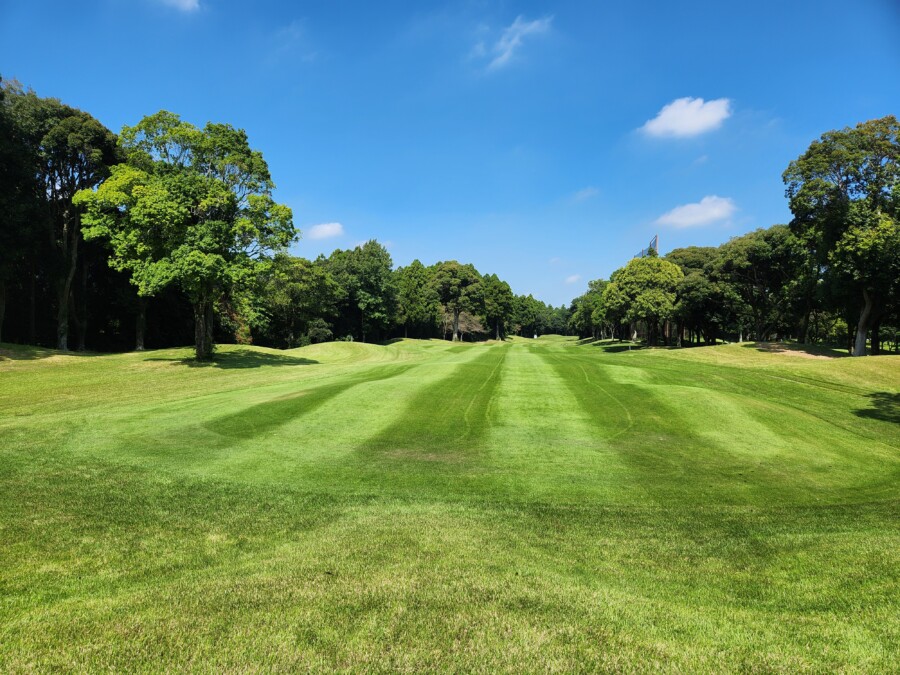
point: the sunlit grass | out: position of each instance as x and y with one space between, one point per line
527 506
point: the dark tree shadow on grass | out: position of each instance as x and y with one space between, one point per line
885 407
11 352
614 348
242 358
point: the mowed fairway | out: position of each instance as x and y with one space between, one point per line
534 505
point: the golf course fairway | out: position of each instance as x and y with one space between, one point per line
529 505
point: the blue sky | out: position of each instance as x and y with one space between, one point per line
545 142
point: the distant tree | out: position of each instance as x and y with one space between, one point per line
299 299
705 306
526 317
418 305
366 278
843 193
766 269
648 287
497 303
613 307
587 316
459 289
191 207
699 299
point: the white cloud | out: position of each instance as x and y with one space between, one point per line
585 193
325 231
685 117
511 40
573 279
183 5
555 260
708 210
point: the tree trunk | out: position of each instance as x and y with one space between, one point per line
203 344
456 336
140 324
32 332
803 328
65 290
2 306
862 327
76 318
498 329
761 335
876 338
81 317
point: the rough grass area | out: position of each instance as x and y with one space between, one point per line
535 505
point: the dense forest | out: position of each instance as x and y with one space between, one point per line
167 234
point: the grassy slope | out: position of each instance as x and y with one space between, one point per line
425 505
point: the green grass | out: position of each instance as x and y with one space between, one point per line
535 505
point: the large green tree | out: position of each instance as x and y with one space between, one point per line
459 289
767 270
365 275
587 317
647 289
193 207
418 306
844 196
497 303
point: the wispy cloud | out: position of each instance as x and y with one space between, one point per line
555 260
502 52
291 42
708 210
585 193
573 278
325 231
686 117
183 5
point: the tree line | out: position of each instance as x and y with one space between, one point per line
168 233
832 275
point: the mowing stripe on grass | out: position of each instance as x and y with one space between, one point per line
543 445
278 411
446 419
